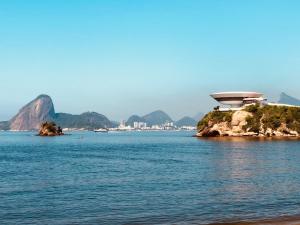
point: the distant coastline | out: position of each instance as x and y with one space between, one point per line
283 220
41 109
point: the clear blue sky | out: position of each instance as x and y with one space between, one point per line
120 57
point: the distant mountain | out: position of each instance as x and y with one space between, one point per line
157 118
32 114
4 125
286 99
41 109
198 116
186 121
87 120
115 123
133 119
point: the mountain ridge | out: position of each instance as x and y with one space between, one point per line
41 109
157 117
198 116
33 113
186 121
287 99
134 118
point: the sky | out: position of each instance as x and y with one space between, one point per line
124 57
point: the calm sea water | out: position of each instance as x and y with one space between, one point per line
145 178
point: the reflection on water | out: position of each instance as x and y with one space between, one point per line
146 178
248 139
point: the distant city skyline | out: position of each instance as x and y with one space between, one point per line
120 58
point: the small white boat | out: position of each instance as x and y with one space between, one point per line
102 130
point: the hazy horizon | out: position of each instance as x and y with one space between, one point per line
142 113
120 58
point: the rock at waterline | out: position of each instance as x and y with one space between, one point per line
50 129
253 120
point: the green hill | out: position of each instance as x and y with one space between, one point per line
252 121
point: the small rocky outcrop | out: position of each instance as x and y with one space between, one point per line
50 129
254 120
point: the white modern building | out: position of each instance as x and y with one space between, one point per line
139 125
237 100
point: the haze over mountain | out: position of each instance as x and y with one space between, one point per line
286 99
186 121
87 120
159 117
42 109
32 114
134 118
198 116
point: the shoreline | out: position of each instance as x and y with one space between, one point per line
248 138
282 220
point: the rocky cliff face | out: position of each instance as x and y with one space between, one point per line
264 121
33 114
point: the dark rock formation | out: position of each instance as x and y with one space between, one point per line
50 129
210 133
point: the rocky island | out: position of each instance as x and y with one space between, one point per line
253 120
50 129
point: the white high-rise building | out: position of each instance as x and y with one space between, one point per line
139 125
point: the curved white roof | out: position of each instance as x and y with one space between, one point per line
235 98
236 94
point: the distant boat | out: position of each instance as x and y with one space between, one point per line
102 130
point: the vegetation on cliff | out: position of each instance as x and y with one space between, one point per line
273 117
213 118
254 120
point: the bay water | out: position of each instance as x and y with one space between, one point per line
146 178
